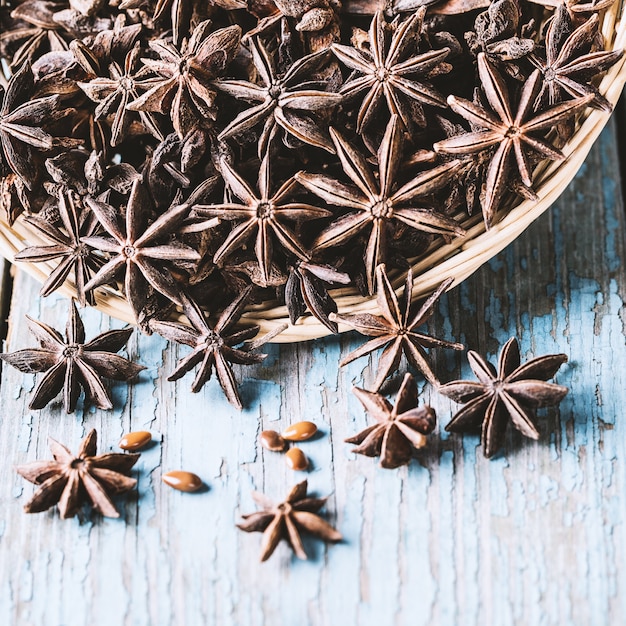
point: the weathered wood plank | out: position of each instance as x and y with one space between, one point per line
534 536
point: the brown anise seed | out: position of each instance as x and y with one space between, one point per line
271 440
183 481
296 459
300 431
135 440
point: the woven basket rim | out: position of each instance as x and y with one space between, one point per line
457 260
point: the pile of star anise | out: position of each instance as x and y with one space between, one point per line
212 154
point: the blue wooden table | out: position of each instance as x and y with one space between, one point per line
534 536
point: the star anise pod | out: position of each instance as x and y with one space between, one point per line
285 100
21 135
377 203
401 428
68 246
286 520
263 213
518 133
396 329
71 480
184 91
115 92
390 69
213 346
570 61
144 254
71 364
512 393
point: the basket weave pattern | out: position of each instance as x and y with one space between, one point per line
458 259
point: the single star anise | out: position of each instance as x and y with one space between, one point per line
286 100
389 71
21 135
263 214
286 520
396 328
213 347
377 203
510 133
72 480
70 363
512 393
570 61
114 93
75 255
184 90
401 428
145 255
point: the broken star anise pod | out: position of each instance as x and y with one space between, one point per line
71 364
499 32
286 520
577 7
184 90
390 69
214 347
516 133
377 203
510 394
71 480
306 289
401 428
396 329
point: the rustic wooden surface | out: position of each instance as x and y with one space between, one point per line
534 536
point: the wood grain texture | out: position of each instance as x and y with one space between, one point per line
534 536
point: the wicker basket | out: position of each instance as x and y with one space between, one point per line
458 259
